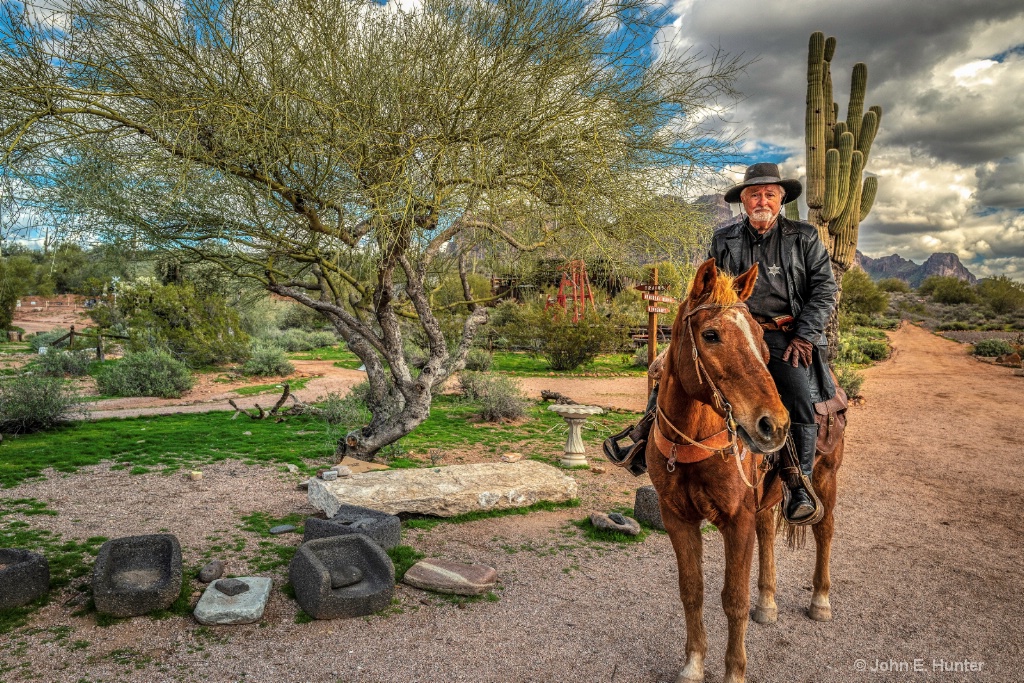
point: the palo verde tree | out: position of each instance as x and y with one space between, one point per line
347 154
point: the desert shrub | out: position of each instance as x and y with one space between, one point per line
322 338
874 350
198 328
146 373
946 289
849 379
267 360
343 413
992 347
296 315
1002 294
893 284
45 339
34 403
640 355
955 326
861 295
566 345
500 397
63 363
479 360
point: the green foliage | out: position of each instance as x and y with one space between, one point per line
35 403
297 316
63 363
1002 294
861 295
146 373
640 355
564 344
946 289
12 286
45 339
849 379
296 339
198 328
668 275
479 360
403 557
893 284
862 346
499 397
993 347
267 360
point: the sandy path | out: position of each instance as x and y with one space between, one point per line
927 566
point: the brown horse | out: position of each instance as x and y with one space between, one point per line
716 397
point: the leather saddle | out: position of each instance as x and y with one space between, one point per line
831 418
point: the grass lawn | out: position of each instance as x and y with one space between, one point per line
342 357
528 365
174 442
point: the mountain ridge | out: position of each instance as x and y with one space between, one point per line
943 264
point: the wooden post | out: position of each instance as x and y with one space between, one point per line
99 344
652 333
71 339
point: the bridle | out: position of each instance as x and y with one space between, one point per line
733 446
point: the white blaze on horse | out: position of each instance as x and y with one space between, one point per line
718 412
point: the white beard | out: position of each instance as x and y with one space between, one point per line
763 216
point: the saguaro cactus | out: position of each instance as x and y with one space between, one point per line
838 196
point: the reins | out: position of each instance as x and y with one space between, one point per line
723 404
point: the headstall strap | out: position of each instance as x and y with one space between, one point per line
723 404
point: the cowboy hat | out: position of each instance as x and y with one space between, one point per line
764 174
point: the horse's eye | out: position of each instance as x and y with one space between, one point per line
710 336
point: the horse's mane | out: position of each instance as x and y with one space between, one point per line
723 293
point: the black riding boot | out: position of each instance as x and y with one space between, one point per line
802 506
632 456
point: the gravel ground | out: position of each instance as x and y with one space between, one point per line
927 565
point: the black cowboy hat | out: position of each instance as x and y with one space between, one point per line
764 174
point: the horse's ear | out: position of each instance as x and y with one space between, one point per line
744 284
704 281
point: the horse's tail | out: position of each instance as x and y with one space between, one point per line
796 536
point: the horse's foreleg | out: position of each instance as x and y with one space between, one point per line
739 537
766 611
825 472
688 546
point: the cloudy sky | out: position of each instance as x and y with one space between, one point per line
949 76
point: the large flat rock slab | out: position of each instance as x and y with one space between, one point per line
446 491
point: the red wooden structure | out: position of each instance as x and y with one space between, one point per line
575 286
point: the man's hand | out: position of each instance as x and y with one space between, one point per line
800 351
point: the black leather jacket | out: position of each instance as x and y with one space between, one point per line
812 287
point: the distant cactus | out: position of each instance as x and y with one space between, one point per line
838 196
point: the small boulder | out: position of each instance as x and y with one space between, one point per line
342 470
231 587
212 571
512 457
442 576
292 468
195 475
282 529
329 475
619 523
646 508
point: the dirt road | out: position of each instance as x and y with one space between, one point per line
927 567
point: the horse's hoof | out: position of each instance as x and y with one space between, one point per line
765 615
820 612
693 672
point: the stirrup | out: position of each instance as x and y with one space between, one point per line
633 458
819 509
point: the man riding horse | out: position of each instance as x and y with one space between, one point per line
793 299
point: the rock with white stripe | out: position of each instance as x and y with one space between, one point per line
442 576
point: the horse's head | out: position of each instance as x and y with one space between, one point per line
719 356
